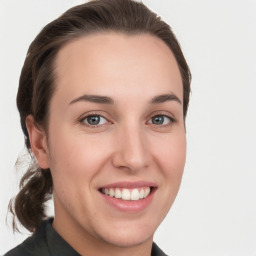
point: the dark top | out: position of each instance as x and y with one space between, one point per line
47 242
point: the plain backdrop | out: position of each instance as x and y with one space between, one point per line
215 210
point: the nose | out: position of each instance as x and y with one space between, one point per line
132 151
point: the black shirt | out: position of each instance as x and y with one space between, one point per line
47 242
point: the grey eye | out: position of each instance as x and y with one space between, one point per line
160 120
95 120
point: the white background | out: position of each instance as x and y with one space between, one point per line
215 211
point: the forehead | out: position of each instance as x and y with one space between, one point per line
106 62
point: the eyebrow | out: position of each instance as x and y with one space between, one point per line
93 98
107 100
165 97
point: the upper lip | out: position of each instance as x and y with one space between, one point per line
129 184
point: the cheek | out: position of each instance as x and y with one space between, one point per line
172 151
74 164
74 159
171 156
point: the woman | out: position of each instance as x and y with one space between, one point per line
103 97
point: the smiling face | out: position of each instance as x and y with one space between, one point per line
116 139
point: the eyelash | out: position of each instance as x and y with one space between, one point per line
170 122
82 120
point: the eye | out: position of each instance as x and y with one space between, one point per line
94 120
161 120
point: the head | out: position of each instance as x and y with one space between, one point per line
116 66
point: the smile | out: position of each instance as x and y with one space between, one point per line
127 194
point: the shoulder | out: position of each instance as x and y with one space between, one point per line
156 251
35 245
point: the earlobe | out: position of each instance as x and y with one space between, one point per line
38 142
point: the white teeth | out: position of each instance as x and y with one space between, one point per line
118 193
111 192
127 194
135 195
147 191
142 194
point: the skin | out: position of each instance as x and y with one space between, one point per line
126 146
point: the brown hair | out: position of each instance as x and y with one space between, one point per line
37 79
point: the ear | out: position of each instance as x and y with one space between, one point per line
38 142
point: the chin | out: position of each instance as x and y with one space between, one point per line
126 239
128 235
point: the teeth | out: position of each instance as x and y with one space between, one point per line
147 191
118 193
111 192
135 195
127 194
142 194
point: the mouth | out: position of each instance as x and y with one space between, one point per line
128 194
130 197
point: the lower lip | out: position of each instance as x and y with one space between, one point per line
130 205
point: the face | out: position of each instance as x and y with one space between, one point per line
116 139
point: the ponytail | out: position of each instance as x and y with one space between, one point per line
29 204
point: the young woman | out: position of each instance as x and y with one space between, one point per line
103 97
